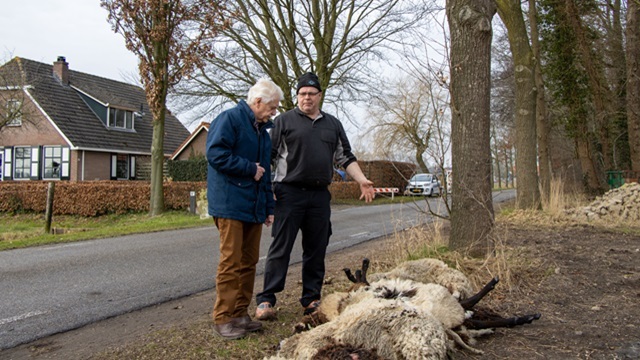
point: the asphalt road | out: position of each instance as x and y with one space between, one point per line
51 289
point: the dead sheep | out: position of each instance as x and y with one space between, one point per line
395 328
430 271
431 301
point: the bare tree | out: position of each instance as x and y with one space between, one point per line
338 40
542 123
404 116
16 107
168 36
633 81
427 59
503 102
528 195
472 216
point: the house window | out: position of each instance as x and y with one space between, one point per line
120 119
14 113
22 167
52 162
122 167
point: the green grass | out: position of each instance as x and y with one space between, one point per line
27 229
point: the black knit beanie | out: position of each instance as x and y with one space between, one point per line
308 79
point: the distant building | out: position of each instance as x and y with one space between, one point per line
82 127
194 145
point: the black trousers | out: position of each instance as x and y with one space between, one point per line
298 209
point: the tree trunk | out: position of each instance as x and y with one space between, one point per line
542 125
633 82
420 161
600 94
528 195
157 167
472 216
496 157
615 40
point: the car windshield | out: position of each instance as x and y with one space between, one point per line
421 177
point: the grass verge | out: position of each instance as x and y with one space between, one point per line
27 229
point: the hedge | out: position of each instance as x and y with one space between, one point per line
92 198
188 170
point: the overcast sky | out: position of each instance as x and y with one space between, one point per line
42 30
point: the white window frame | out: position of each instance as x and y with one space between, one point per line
59 160
7 163
130 170
22 167
13 106
128 119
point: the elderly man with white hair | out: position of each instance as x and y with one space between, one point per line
240 201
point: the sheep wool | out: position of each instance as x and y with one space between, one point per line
432 298
396 329
430 271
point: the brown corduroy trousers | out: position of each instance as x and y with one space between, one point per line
239 254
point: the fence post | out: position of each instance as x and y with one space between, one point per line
192 202
49 208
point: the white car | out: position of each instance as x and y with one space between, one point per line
423 184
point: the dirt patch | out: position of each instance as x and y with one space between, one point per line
584 280
588 300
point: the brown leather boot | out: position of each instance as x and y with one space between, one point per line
246 323
228 331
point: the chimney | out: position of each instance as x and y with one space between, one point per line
61 70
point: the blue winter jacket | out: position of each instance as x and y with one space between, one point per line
234 146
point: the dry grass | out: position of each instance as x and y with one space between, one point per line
515 269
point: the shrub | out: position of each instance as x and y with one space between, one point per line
194 169
92 198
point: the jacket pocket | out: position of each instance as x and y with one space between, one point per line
328 136
243 183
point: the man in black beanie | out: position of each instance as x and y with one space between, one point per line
308 79
306 145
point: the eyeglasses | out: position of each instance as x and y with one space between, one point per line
305 94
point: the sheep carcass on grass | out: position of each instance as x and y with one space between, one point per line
398 312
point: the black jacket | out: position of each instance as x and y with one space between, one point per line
305 151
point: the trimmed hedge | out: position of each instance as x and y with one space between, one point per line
344 190
388 173
188 170
92 198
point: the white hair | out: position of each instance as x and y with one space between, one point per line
266 90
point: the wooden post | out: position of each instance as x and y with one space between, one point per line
49 209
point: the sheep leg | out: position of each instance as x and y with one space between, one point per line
365 268
470 302
498 322
458 340
350 276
